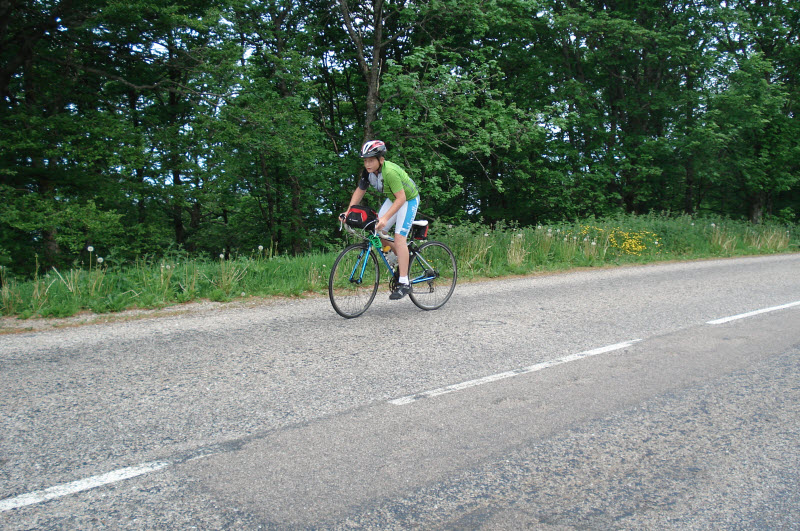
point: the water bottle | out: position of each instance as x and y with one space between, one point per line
390 256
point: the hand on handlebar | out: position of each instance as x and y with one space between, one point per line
343 222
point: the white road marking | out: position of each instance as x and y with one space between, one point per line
78 486
755 312
122 474
509 374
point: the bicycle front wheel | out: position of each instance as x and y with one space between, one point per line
353 281
433 274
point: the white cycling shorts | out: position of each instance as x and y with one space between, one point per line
403 218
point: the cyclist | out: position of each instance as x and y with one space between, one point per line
399 209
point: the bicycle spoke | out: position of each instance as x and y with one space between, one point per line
353 281
433 274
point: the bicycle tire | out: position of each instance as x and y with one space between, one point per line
436 291
350 298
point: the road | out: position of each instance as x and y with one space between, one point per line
613 398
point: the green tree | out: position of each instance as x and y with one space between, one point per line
53 132
277 159
758 104
759 149
97 100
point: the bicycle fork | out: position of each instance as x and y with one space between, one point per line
357 275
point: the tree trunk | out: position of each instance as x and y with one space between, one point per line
689 195
195 215
141 205
371 71
51 249
267 215
758 203
296 221
133 99
177 208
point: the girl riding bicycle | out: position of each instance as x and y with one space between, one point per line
398 210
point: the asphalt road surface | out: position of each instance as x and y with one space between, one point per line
653 397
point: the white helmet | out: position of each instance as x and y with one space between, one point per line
373 148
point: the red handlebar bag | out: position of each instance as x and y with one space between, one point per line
360 217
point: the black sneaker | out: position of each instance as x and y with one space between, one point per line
401 291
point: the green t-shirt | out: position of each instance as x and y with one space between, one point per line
391 179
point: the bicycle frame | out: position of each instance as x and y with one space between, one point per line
375 241
356 273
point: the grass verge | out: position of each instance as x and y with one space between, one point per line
482 252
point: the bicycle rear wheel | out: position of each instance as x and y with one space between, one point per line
433 274
353 281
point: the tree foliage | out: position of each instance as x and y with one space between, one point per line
216 126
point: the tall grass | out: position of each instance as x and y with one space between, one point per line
157 283
508 250
481 252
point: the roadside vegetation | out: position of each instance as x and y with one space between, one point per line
482 252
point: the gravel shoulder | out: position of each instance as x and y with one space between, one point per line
14 325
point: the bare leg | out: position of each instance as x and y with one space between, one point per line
401 250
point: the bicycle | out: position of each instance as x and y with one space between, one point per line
355 275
